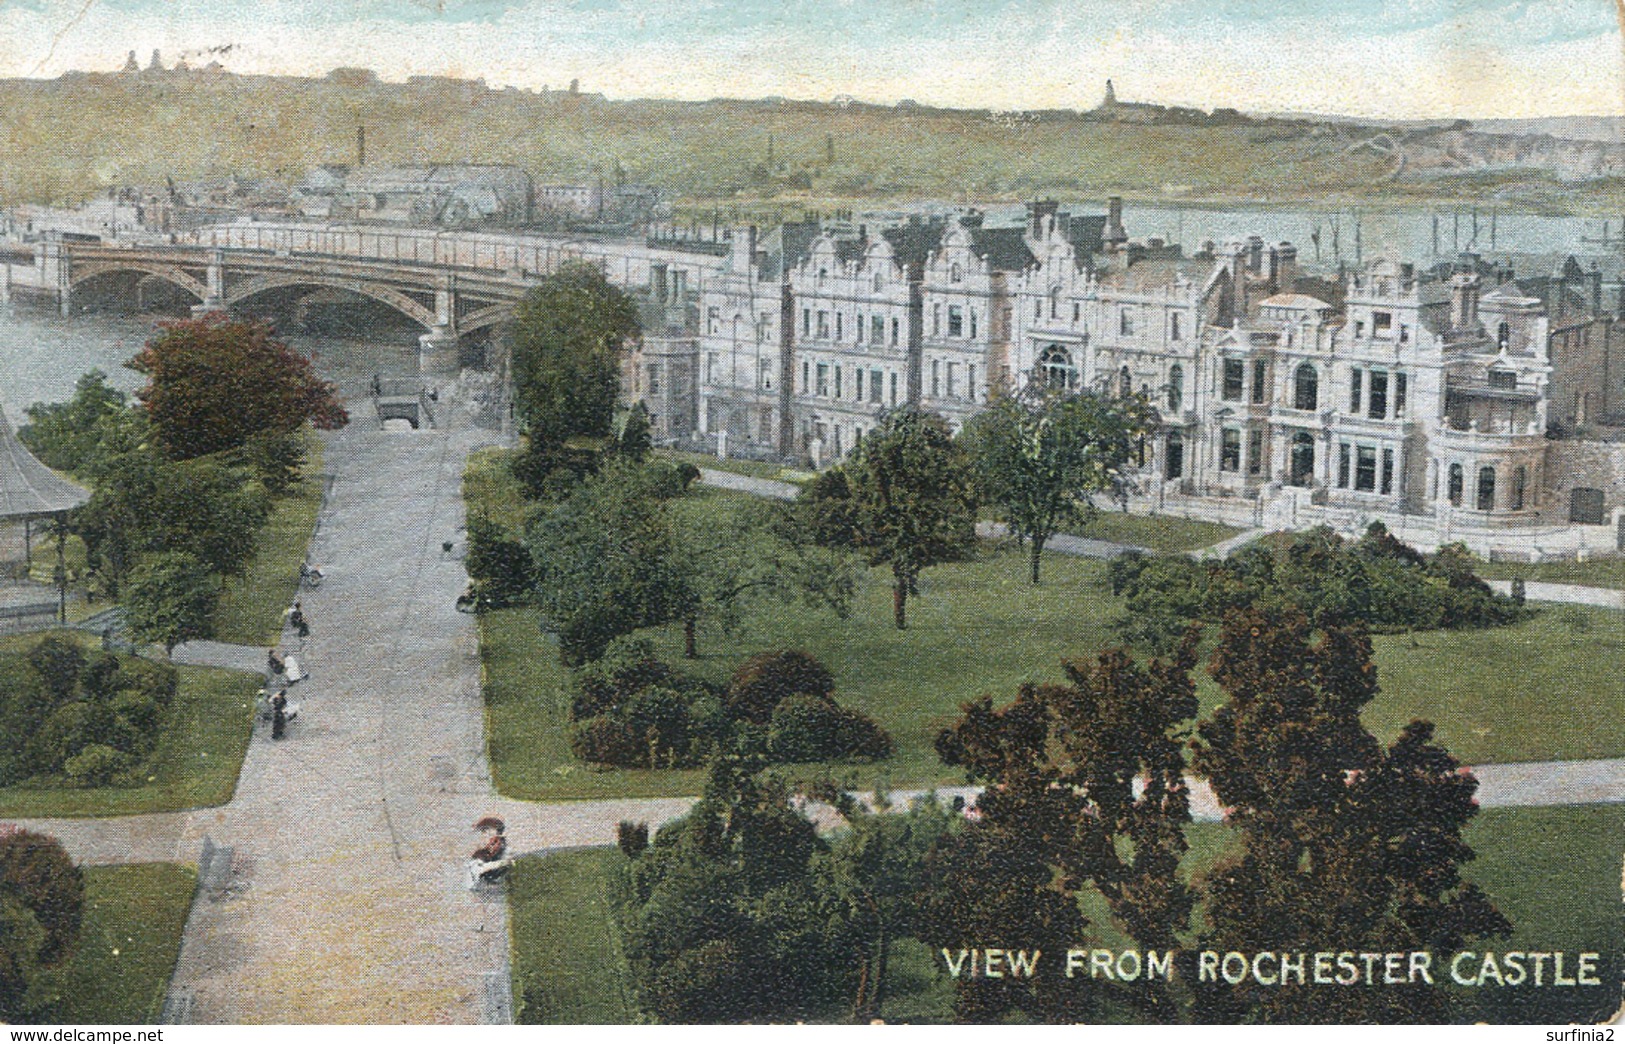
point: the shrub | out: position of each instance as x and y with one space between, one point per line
606 740
764 681
64 733
810 728
157 681
632 838
498 564
36 870
94 765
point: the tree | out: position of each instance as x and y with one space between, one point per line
568 333
1061 812
214 383
605 562
758 552
169 598
42 899
1042 454
65 435
1340 837
905 498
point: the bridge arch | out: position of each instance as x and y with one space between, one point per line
489 315
407 306
169 273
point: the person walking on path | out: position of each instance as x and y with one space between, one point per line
279 714
296 620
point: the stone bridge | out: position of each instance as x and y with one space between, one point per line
451 283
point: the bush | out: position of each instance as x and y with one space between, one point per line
632 838
811 728
156 681
36 871
764 681
606 740
498 564
94 765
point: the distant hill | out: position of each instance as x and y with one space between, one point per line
72 137
1576 128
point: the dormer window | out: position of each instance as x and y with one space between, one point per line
823 276
954 274
880 280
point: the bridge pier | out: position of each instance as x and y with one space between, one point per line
438 353
210 306
215 299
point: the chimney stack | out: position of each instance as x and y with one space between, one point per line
1116 235
1284 268
1037 211
1255 255
1464 288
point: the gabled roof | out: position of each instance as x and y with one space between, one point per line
1004 249
29 489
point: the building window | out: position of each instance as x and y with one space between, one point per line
1355 377
806 322
823 380
654 379
877 329
1302 461
710 367
1453 487
765 374
970 382
1125 323
954 274
953 384
1055 367
1486 488
712 320
894 388
1176 387
1234 375
1382 324
1520 480
1173 458
936 320
837 382
880 280
936 379
1377 401
1359 328
806 381
956 321
1342 465
823 325
894 328
973 323
1077 312
1365 469
1503 335
874 386
1305 388
1174 332
1261 380
1387 472
857 393
1230 450
1255 451
857 330
1054 301
1504 380
1399 394
839 333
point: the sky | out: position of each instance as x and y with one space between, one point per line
1395 59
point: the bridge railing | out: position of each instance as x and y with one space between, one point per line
627 263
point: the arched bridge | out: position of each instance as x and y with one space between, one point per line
451 284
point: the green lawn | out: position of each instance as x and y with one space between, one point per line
195 764
250 610
1554 872
134 916
753 468
567 961
1594 572
1164 533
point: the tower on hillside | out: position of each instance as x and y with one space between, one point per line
131 65
1111 96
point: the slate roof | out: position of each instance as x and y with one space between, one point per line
29 489
1004 249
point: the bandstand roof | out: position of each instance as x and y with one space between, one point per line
29 489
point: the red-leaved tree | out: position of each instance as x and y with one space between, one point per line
215 383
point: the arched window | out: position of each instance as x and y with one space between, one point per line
954 274
880 280
1520 480
823 275
1054 301
1453 489
1173 456
1301 466
1305 388
1486 488
1056 368
1176 387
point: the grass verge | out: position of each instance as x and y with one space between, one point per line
251 605
1162 533
567 961
134 916
195 765
1594 572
